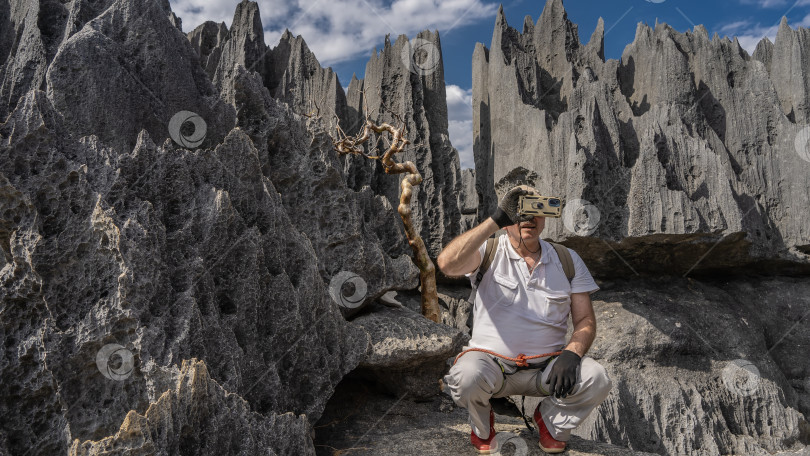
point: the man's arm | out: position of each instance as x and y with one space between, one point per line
461 254
563 375
584 324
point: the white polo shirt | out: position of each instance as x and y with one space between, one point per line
520 313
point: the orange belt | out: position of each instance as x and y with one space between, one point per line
521 360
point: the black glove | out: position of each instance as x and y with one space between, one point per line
563 374
507 212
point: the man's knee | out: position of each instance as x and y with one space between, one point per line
595 378
472 378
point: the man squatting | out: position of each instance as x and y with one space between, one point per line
521 307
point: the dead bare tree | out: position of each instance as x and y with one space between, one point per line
345 144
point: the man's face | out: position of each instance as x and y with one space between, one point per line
528 230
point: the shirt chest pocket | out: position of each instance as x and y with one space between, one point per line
557 309
503 290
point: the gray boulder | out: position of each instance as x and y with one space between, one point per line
408 352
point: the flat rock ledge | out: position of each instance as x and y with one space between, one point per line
409 353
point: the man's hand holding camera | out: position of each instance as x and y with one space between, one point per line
507 212
520 204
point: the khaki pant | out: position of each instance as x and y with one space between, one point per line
477 377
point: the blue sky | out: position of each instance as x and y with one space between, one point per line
344 33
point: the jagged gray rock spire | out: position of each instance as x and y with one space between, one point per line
146 91
295 77
292 74
208 39
788 61
31 33
468 200
290 71
395 84
682 143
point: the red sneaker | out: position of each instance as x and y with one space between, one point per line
490 445
547 443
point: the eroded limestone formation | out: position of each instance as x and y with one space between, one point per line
685 156
686 144
393 84
398 82
221 250
211 264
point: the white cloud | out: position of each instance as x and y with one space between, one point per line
459 103
195 12
459 114
340 30
750 34
462 138
733 26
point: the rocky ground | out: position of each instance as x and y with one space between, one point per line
361 420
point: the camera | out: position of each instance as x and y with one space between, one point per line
542 206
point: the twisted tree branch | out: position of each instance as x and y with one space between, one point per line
345 144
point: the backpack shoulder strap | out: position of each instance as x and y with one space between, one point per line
489 255
565 259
